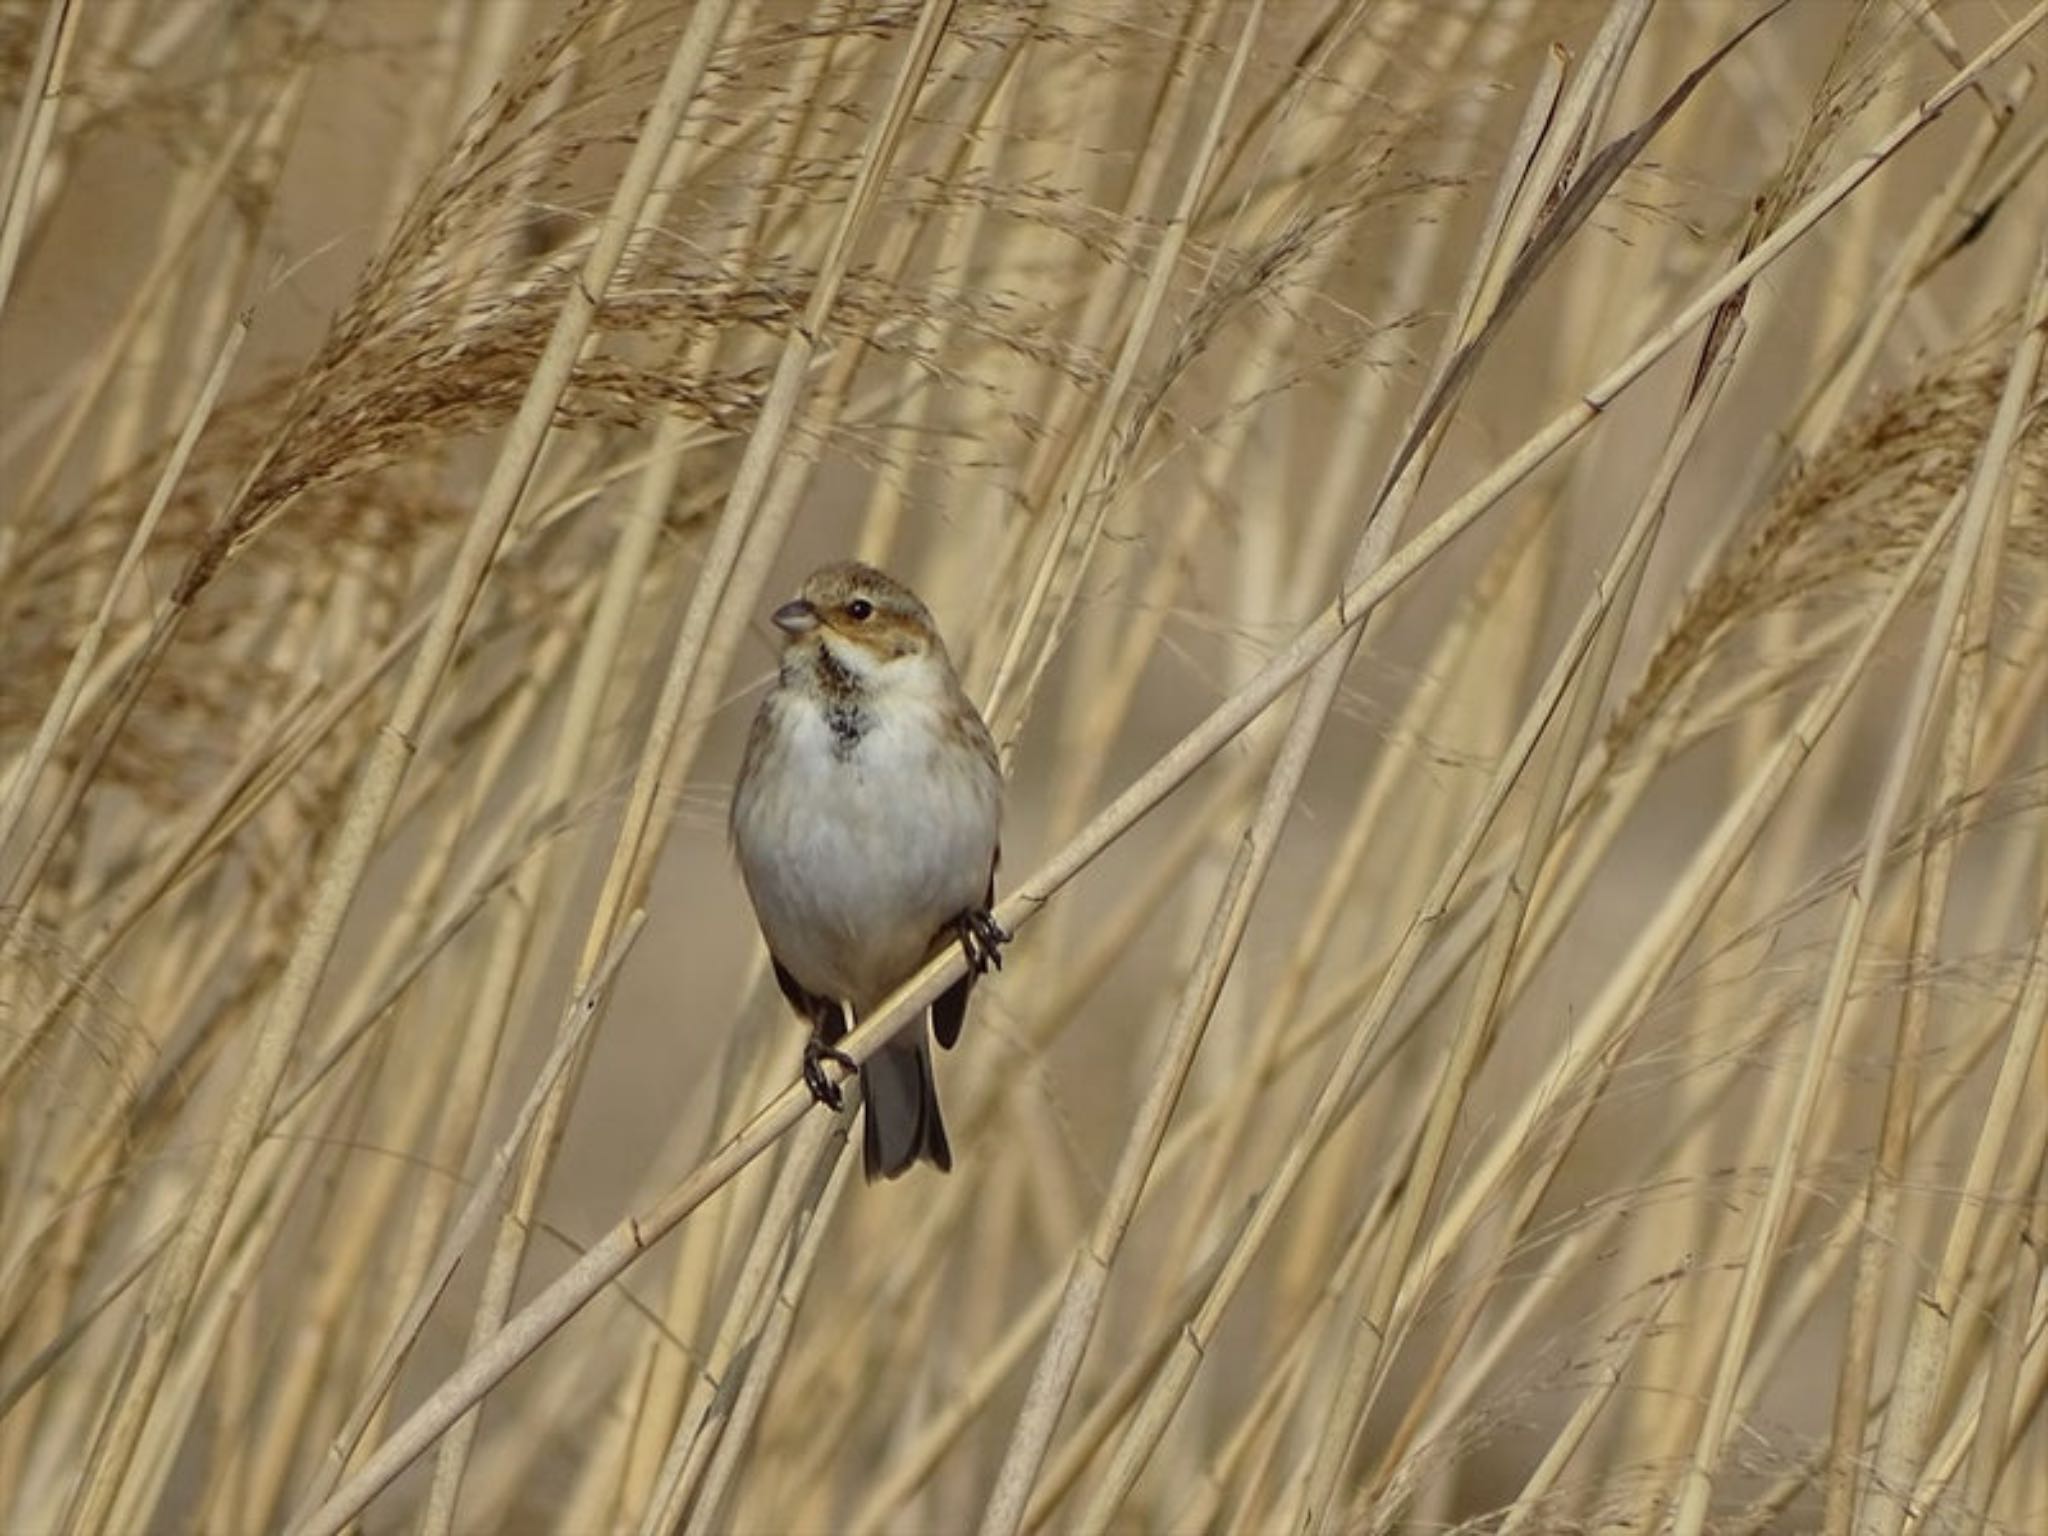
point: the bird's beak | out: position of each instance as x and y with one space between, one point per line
797 618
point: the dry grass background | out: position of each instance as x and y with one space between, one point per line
1515 607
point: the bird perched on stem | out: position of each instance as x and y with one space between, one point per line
866 819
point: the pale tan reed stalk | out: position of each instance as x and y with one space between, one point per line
28 770
800 1182
1338 489
1135 1447
1767 1229
526 1330
1078 491
1928 1353
1930 903
758 507
1051 474
1578 693
178 1277
35 124
2000 1420
709 1512
1136 514
521 928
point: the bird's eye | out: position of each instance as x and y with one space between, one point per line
860 608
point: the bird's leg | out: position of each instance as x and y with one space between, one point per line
981 940
823 1089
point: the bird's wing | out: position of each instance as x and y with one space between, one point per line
949 1012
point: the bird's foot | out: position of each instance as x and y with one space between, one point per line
981 940
823 1089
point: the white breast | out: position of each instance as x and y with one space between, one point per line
857 857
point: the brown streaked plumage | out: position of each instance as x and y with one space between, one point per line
866 820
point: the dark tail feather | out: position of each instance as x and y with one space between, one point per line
902 1101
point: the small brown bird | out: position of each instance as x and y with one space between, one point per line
866 820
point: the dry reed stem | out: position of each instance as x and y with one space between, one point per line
1578 689
1669 946
1767 1229
1081 491
728 1368
1074 1322
751 505
1340 489
1937 856
1664 937
1050 476
1812 1283
1928 1353
579 1017
526 1329
35 125
178 1278
515 934
764 1357
1283 784
2001 1416
631 862
64 701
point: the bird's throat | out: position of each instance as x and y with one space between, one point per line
844 702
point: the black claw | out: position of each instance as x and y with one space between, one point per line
982 939
823 1089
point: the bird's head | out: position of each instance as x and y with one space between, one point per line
860 622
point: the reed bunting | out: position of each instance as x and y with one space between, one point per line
866 819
